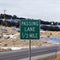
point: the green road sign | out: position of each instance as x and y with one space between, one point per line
29 29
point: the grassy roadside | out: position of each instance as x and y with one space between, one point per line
17 42
49 58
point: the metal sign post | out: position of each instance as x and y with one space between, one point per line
29 49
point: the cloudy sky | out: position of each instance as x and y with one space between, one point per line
48 10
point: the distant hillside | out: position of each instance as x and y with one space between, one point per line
49 23
14 19
8 16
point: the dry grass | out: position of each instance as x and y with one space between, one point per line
16 42
51 34
48 58
56 57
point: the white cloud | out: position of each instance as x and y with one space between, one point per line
43 9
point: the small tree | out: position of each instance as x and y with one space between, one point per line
14 17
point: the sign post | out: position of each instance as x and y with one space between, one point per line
29 49
29 29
